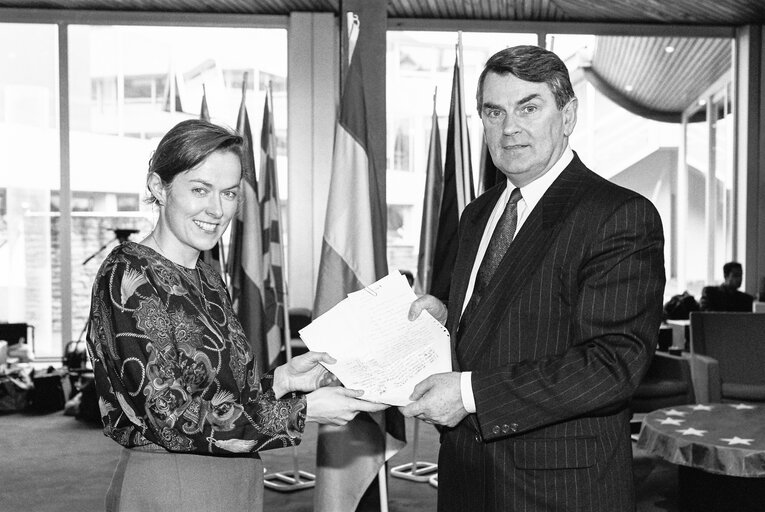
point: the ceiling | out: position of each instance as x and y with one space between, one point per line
637 72
692 12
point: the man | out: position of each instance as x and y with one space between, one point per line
726 297
549 347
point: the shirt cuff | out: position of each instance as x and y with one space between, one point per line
466 389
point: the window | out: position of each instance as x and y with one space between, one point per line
127 87
419 63
29 156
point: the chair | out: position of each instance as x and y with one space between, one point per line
17 334
737 342
668 382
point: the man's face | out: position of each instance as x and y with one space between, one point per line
525 132
733 279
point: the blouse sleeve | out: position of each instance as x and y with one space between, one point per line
171 374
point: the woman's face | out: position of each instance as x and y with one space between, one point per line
200 203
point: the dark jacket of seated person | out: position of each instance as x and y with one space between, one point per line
723 298
726 297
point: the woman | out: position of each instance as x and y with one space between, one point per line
178 385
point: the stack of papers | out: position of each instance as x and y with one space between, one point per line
378 349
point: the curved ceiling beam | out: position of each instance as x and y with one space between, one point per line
627 103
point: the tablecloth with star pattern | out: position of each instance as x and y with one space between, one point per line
719 438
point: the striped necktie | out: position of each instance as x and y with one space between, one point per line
500 241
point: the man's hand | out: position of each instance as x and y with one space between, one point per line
337 405
438 400
432 305
304 373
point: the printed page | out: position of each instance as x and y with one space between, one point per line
378 349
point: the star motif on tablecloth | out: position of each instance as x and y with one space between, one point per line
701 407
675 412
737 440
670 421
742 406
690 431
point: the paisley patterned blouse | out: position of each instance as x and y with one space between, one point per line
172 364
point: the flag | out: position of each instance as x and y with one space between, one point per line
458 185
245 265
274 286
353 255
214 256
489 174
431 204
172 96
204 112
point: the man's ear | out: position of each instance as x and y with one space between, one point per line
157 188
569 116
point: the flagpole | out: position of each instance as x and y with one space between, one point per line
280 480
421 471
465 152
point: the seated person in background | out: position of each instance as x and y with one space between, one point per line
726 297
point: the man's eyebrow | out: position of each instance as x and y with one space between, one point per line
490 105
528 98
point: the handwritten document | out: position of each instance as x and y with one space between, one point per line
378 349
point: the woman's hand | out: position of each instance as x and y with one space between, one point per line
337 405
304 373
430 304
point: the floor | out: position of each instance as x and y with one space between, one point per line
56 463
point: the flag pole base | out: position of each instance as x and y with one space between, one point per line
285 481
418 471
434 480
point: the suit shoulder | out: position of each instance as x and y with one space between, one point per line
608 195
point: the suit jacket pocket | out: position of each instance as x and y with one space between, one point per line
563 453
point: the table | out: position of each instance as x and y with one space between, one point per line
719 449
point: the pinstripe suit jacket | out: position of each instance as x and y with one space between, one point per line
563 334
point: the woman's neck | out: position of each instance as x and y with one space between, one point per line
156 242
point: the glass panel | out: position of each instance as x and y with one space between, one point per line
128 86
697 164
417 64
722 128
29 182
632 149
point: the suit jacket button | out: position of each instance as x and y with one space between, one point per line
477 438
505 428
495 430
514 427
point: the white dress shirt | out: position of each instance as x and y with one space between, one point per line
531 194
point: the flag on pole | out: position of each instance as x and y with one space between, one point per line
213 257
458 185
274 285
245 265
204 112
489 174
431 204
348 458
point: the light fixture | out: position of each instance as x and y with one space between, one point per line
669 49
628 88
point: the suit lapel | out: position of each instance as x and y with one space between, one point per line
473 227
522 260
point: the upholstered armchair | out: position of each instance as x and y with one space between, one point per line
737 342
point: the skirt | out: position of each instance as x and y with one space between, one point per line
160 481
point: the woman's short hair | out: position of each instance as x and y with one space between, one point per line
532 64
187 145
